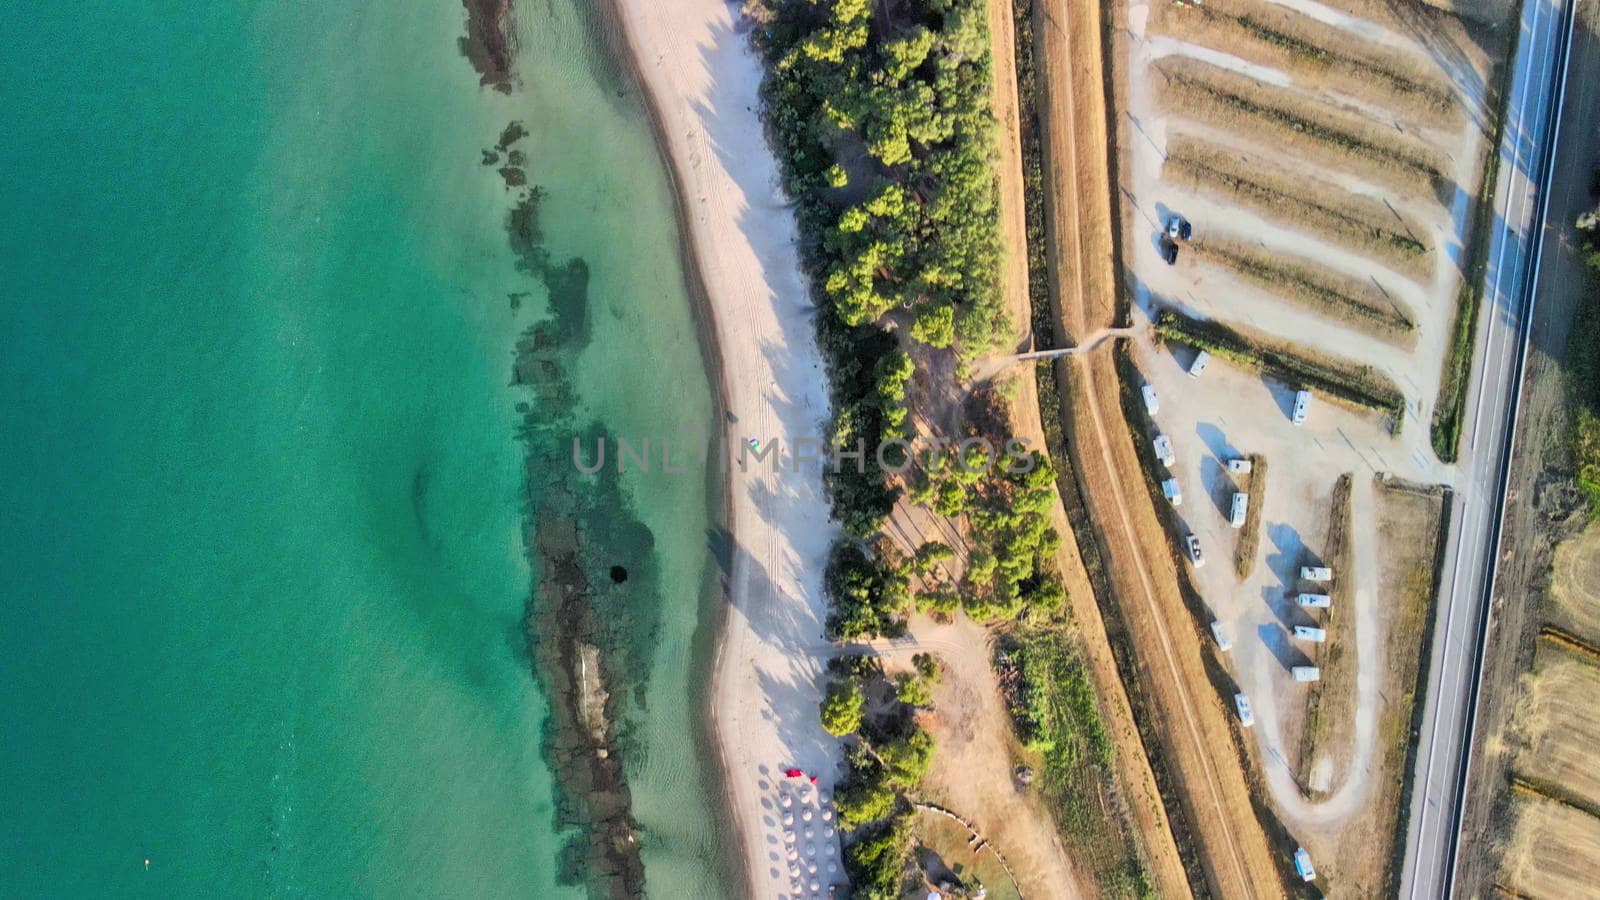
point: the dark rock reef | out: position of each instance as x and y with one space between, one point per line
489 43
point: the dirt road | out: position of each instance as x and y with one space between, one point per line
1198 746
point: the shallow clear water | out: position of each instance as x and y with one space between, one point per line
263 491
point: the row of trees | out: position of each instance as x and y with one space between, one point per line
886 135
889 753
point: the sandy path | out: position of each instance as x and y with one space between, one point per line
702 77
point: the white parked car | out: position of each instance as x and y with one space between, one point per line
1302 865
1246 716
1315 601
1302 406
1201 360
1307 633
1316 573
1241 508
1195 555
1172 491
1306 673
1163 447
1220 632
1239 466
1150 405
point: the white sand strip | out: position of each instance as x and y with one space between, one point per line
703 77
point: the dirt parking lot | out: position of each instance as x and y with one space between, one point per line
1327 157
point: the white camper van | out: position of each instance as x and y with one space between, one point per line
1241 506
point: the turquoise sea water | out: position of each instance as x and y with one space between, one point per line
262 494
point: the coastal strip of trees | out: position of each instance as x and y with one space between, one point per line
880 114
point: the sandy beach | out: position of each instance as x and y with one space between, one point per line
702 79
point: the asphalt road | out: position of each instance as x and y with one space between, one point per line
1474 540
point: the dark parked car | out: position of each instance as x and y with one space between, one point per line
1169 252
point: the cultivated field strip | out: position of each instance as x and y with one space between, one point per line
1561 725
1552 851
1356 302
1360 224
1288 120
1317 55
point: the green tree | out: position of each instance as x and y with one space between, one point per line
843 708
935 326
862 800
910 688
907 757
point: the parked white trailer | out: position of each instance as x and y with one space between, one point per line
1239 466
1163 447
1302 406
1316 601
1220 632
1201 360
1170 489
1307 633
1247 717
1305 673
1241 507
1316 573
1151 406
1302 865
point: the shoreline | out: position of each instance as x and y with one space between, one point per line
707 644
691 62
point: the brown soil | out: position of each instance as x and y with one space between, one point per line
1575 588
1552 851
971 773
1197 747
1559 727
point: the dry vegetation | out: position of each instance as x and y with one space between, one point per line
1549 745
1409 540
1357 223
1357 302
1317 55
1330 701
1282 117
1244 552
1574 603
1560 725
1552 850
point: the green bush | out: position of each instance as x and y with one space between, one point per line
907 757
843 708
869 595
912 689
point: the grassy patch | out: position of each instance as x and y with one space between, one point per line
1350 300
1360 224
1244 552
1339 379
